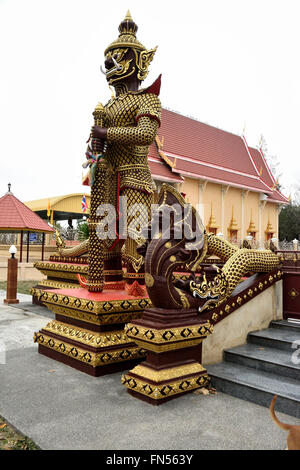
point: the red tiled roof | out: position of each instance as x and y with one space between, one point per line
266 175
220 176
161 171
276 196
14 215
190 138
204 151
262 167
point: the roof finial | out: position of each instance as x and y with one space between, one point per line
128 16
9 191
128 26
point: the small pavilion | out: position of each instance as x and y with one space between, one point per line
59 208
15 217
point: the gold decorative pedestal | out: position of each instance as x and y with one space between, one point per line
88 332
173 340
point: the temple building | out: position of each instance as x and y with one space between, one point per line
228 181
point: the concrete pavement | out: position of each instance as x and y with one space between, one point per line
61 408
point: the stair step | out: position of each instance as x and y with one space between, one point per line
275 361
275 338
256 386
284 324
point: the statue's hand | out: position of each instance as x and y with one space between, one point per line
97 145
99 132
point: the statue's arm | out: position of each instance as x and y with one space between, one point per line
142 134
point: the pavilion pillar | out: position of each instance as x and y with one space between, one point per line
21 246
27 257
43 246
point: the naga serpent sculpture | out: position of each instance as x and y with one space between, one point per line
77 250
166 253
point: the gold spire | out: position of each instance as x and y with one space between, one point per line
269 228
127 36
251 227
128 26
233 223
212 221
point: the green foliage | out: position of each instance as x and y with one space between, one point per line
58 226
289 223
83 230
23 287
11 439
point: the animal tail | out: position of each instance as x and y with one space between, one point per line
284 426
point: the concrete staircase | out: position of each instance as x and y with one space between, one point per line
263 368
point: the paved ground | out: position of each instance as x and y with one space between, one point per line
61 408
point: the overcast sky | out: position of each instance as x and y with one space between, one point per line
228 63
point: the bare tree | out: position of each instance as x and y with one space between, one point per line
272 160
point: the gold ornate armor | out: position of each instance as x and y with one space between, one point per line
132 119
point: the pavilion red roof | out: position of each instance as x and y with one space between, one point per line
206 152
14 215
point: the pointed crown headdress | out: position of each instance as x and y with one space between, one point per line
127 39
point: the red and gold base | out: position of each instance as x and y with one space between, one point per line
88 330
157 386
173 341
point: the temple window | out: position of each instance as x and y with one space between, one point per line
233 236
212 230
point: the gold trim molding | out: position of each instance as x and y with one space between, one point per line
170 338
88 337
70 267
58 284
95 307
93 359
157 392
171 373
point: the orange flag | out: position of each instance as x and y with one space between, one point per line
48 209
